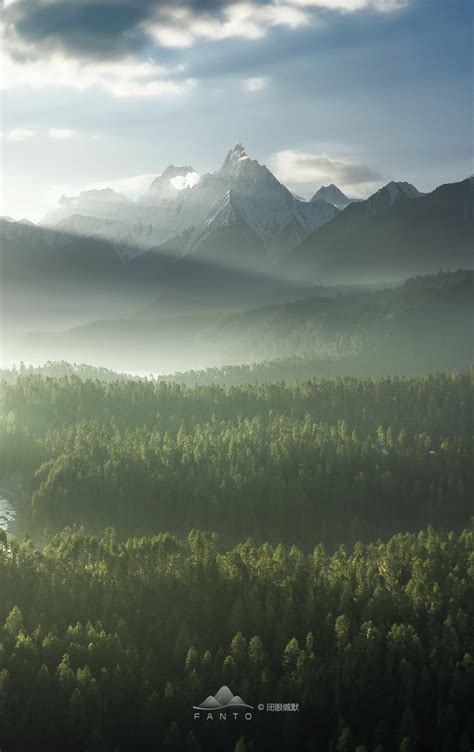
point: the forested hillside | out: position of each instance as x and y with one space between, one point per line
236 386
210 554
324 460
424 324
106 646
60 368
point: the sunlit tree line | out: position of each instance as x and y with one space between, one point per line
336 461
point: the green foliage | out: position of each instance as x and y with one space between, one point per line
324 460
110 638
87 651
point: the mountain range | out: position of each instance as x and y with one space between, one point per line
165 272
239 228
242 220
393 234
239 210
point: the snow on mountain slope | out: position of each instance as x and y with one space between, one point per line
385 198
184 210
102 204
42 240
333 195
246 194
80 224
391 194
127 237
278 223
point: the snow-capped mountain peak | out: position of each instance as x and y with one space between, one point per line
238 164
235 155
398 190
333 195
249 199
242 198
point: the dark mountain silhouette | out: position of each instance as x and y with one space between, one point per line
46 259
395 233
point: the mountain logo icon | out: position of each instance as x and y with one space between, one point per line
223 698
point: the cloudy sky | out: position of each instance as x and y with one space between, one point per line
109 92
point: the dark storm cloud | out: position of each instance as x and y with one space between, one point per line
109 29
92 28
88 28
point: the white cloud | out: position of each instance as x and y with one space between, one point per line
19 134
181 26
255 83
352 6
62 133
171 25
132 186
303 170
156 88
120 78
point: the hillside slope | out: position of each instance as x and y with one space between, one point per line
377 240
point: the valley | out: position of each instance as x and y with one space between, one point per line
239 426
